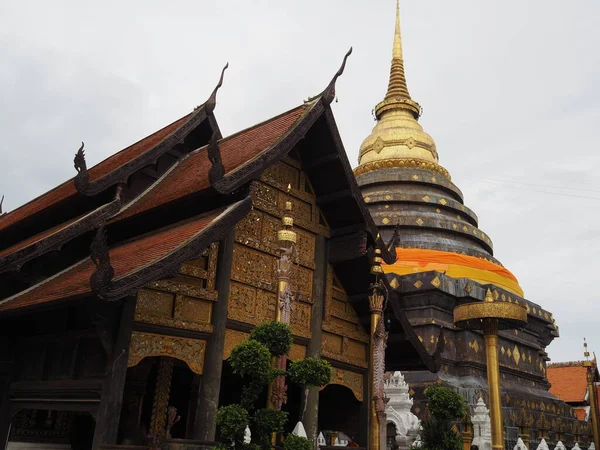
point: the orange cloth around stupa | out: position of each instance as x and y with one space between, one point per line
414 260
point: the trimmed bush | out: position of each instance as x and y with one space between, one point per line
293 442
251 359
310 372
265 422
232 421
445 406
276 336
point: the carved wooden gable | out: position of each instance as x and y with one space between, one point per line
253 284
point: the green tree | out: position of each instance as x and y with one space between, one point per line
445 406
252 361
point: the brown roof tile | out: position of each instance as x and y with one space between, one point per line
569 382
134 255
67 189
191 174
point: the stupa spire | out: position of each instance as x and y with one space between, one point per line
397 87
397 95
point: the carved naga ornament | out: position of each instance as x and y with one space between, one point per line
328 94
211 103
380 344
102 277
216 172
82 178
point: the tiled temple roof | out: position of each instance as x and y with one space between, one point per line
129 260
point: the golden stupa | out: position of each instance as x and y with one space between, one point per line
404 186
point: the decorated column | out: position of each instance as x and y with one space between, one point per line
491 316
377 356
285 265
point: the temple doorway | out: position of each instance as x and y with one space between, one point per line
339 412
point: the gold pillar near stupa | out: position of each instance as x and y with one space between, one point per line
490 316
593 397
376 305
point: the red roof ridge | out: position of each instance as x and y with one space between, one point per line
557 365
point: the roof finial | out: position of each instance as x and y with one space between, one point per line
397 96
586 353
397 37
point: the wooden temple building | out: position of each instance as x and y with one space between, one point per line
124 289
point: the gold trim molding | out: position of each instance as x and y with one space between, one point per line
144 345
401 163
352 380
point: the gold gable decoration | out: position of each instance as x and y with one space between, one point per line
144 345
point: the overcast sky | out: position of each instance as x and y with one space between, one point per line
509 90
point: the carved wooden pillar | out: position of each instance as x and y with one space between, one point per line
313 350
193 405
162 391
109 411
205 422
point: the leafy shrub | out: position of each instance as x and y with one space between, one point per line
310 372
265 422
445 406
293 442
251 359
276 336
232 421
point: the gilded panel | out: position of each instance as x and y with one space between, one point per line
297 352
300 319
332 343
303 211
352 380
251 305
306 248
270 226
356 350
233 338
266 306
204 267
154 303
143 345
242 303
282 174
265 196
253 267
248 231
188 308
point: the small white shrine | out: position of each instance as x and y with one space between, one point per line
398 411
